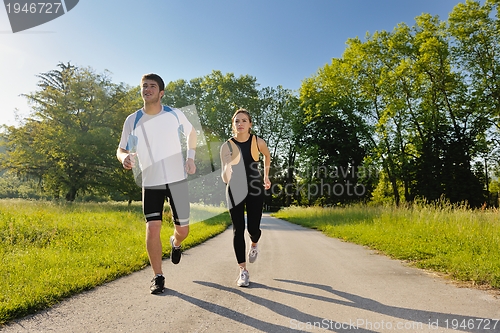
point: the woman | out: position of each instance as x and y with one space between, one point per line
240 171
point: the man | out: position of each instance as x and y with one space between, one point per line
151 139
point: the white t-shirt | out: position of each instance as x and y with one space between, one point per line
157 141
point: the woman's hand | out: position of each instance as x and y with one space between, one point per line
267 183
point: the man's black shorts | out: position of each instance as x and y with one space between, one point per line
153 200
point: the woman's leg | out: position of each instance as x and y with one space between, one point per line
254 215
238 219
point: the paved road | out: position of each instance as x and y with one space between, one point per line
302 281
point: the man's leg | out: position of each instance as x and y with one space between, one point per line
180 233
152 206
154 246
155 254
178 198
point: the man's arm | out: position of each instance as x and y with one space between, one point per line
225 161
191 145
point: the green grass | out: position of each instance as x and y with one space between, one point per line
458 242
49 251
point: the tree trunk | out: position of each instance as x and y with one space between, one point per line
71 195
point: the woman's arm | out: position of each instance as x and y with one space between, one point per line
267 161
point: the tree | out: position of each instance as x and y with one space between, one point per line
334 135
475 29
216 97
70 139
279 114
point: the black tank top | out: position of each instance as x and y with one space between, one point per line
247 165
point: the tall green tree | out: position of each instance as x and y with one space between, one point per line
475 29
69 140
453 126
216 97
371 63
334 136
278 116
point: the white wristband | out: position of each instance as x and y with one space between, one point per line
191 153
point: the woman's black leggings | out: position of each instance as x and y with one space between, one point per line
253 205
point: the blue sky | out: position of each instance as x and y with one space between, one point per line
280 42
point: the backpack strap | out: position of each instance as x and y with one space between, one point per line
138 117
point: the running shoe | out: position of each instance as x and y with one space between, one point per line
158 284
175 255
252 254
244 279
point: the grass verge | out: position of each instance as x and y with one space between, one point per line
49 251
458 242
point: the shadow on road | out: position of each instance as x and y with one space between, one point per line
231 314
281 309
427 318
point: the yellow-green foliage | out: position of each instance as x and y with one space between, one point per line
462 243
51 250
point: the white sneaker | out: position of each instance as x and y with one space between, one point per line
244 279
252 254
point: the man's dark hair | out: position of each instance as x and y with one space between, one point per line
156 78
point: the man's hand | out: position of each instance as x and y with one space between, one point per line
190 166
128 161
227 157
